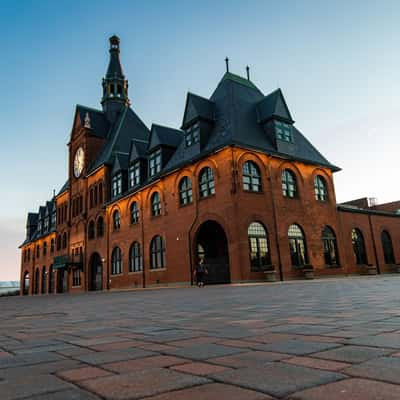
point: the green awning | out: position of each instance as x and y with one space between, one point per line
60 262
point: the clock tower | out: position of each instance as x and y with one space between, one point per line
115 86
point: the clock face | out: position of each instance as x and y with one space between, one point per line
79 162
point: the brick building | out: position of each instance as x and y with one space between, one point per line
237 185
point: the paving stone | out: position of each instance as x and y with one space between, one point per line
383 340
38 369
384 369
277 379
199 368
248 359
111 356
144 363
204 351
212 391
141 383
304 329
298 347
28 359
352 354
31 385
351 389
71 394
80 374
193 342
317 363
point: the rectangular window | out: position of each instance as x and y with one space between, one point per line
192 135
76 277
116 185
283 131
134 174
155 162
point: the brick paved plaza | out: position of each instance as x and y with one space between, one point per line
308 340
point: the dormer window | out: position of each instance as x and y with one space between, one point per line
155 162
40 228
53 219
117 185
283 131
46 224
134 174
192 134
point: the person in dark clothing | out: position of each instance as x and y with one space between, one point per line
199 272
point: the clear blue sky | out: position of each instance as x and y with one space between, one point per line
336 62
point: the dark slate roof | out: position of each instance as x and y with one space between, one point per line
164 136
98 121
64 188
32 219
138 149
127 127
273 106
121 162
197 107
237 105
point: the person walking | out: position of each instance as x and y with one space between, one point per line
199 272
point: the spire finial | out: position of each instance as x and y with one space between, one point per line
87 121
248 72
227 64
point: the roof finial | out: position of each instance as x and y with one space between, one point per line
248 72
87 121
227 64
54 193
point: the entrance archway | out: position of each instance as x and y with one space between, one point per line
62 282
95 272
212 245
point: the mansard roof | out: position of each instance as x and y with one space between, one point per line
93 119
138 149
127 127
197 107
164 136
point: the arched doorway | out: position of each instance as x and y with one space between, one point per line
212 245
95 272
62 281
26 283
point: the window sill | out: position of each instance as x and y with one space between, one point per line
157 269
328 266
156 216
253 191
135 272
207 197
185 205
76 286
291 198
119 274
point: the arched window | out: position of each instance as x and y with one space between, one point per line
185 191
37 251
251 177
157 253
51 279
297 246
91 230
100 227
101 193
44 248
155 204
289 184
116 261
116 220
29 254
135 258
95 197
259 249
206 182
64 240
359 247
26 283
59 242
44 280
320 189
330 246
37 280
91 198
134 213
52 246
387 246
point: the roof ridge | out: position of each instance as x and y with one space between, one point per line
90 108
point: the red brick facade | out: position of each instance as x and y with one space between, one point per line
213 227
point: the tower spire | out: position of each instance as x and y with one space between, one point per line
115 86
